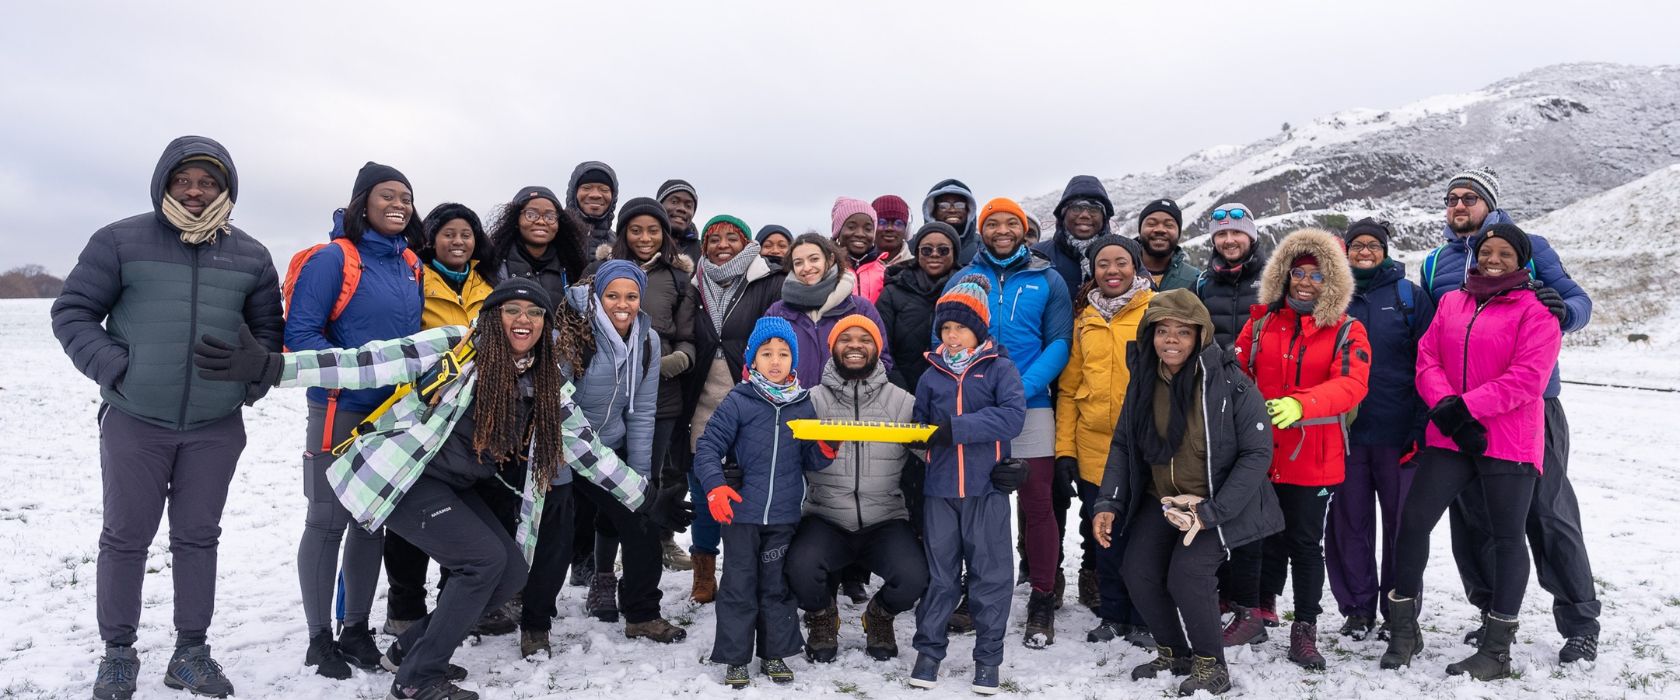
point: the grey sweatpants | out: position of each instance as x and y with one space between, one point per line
145 468
324 525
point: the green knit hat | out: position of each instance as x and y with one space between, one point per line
746 231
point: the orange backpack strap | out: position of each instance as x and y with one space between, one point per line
350 278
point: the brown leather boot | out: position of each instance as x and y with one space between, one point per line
705 577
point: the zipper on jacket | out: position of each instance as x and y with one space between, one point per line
192 337
857 459
775 450
1207 434
1464 366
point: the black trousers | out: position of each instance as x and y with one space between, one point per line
606 536
1555 539
1297 551
1171 582
551 558
486 568
1507 488
638 589
821 551
1116 602
755 609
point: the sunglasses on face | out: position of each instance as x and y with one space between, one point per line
1469 200
1301 274
934 251
534 313
891 223
1233 213
1084 205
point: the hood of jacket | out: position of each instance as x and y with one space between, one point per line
605 219
1082 187
956 187
1337 291
181 149
1180 305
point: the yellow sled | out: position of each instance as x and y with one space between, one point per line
859 430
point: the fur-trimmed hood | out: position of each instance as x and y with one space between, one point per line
1332 261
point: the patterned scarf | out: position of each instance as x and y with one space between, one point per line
1109 306
959 360
1080 246
779 394
720 284
204 227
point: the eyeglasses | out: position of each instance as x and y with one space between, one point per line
532 216
1301 274
951 206
1469 200
894 223
1089 205
1234 213
1365 247
532 313
934 250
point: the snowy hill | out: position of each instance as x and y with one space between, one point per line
1554 135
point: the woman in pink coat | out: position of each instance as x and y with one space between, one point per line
1483 366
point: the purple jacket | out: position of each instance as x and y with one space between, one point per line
813 335
1498 360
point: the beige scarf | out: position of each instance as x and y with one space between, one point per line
204 227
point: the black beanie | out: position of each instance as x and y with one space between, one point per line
768 230
1513 235
520 288
1131 246
1161 205
1367 227
530 192
642 206
373 174
938 227
670 187
594 176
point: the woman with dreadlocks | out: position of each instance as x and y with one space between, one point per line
503 412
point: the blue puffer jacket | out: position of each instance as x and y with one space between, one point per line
1391 415
1063 256
386 306
619 393
987 411
1032 315
750 431
1444 271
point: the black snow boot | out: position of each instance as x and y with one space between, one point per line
324 655
822 634
1206 673
1176 662
191 669
1579 648
355 642
1492 659
1041 620
117 671
1405 640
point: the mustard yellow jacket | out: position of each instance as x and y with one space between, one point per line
446 308
1093 385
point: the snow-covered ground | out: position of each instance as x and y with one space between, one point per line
49 526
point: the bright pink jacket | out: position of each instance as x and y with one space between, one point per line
1497 359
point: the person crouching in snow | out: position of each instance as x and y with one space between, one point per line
973 394
1483 366
1192 430
749 432
506 417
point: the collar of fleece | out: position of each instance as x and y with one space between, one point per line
1338 277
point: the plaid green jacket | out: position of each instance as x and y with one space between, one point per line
383 464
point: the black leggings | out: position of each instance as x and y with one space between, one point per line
1507 489
1296 553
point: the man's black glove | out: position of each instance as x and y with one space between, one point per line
1449 415
1471 439
666 510
1554 303
1008 475
733 477
247 362
941 436
1065 479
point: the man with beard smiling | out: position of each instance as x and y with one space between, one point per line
855 510
680 201
1081 216
1160 226
1231 283
592 195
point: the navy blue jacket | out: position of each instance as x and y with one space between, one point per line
386 305
750 431
1392 414
1063 256
987 410
1453 259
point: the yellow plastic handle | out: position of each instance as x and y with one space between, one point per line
859 431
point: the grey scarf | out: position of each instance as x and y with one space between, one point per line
1109 306
719 284
1081 246
805 297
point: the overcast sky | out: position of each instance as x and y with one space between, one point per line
770 108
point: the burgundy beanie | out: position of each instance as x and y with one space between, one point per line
891 206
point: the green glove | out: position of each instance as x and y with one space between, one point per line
1284 411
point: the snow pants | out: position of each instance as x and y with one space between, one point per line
755 609
1170 581
1116 601
822 550
1295 554
1507 489
1375 480
971 532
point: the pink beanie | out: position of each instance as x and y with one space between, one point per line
844 208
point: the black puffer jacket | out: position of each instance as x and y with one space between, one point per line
906 308
139 298
764 287
1228 294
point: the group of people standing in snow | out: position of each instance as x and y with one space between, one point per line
1218 427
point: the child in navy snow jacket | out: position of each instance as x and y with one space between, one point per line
973 394
761 511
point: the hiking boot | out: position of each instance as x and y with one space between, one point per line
1140 637
1492 659
880 642
737 677
324 655
395 627
355 642
672 555
1405 640
191 669
602 602
705 578
1357 627
1206 673
658 629
777 670
1267 610
854 591
1245 627
442 690
1059 588
1473 638
822 634
1166 659
925 674
985 679
1106 631
1303 646
393 658
1579 648
961 621
117 672
1041 621
583 572
1089 593
533 642
496 622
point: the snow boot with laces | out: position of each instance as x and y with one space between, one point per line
191 669
1245 627
671 554
1579 648
658 629
602 601
533 642
1206 673
822 634
441 690
326 657
1492 659
880 642
117 673
1303 646
1041 620
1176 662
355 642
